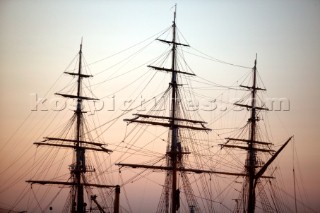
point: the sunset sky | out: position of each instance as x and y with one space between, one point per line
38 39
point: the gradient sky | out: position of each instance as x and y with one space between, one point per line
39 38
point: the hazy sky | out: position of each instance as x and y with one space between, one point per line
39 38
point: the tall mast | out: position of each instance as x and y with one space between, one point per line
174 128
175 152
251 162
80 152
79 145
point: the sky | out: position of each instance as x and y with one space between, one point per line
39 38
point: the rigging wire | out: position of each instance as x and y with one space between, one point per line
198 144
125 112
129 71
217 60
37 201
121 51
129 58
27 117
125 192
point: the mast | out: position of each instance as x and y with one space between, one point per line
173 127
174 123
251 162
80 152
79 168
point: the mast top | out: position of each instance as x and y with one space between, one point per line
81 45
255 61
174 14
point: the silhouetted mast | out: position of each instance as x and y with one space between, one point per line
80 157
79 167
175 151
252 175
251 163
174 129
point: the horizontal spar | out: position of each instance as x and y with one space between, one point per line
43 182
256 88
170 118
247 148
248 141
75 141
81 75
167 124
198 171
77 97
173 42
73 146
251 107
170 70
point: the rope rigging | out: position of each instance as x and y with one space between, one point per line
200 192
